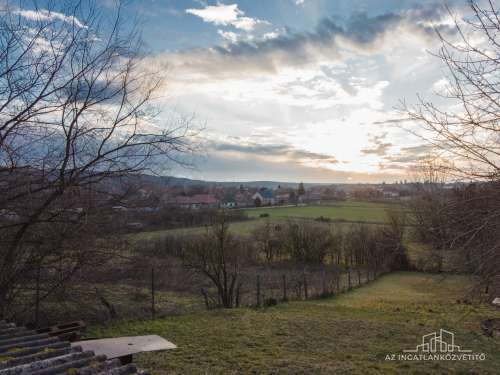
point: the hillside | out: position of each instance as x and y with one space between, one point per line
350 334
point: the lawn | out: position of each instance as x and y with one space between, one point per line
241 227
349 334
348 211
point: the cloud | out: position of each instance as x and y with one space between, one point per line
246 23
299 2
271 151
442 86
228 35
331 40
226 15
390 121
379 148
360 32
45 15
408 156
271 35
219 14
228 168
309 94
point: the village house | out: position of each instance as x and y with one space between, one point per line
283 198
264 197
197 201
312 196
284 195
229 203
243 199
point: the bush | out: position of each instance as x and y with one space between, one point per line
270 302
323 219
305 242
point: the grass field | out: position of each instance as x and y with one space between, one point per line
348 211
349 334
344 211
242 227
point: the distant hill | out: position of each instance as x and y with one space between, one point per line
184 182
145 179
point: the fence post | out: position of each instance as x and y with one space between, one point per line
285 298
238 291
258 291
306 293
205 297
37 298
153 312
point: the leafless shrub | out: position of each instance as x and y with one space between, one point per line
219 256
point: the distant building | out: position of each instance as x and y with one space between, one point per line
265 197
243 199
195 202
391 194
283 198
229 204
312 197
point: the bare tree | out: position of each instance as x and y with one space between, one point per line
468 132
77 111
466 219
304 242
219 256
265 239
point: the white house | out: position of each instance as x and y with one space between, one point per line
265 196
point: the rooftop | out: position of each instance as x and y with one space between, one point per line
25 351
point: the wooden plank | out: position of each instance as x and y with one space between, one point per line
125 346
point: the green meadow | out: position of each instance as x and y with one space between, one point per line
345 211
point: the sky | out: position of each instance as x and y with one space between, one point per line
296 90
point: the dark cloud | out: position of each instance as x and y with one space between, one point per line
421 149
329 39
391 121
360 30
95 91
290 152
410 155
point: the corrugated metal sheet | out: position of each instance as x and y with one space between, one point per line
24 351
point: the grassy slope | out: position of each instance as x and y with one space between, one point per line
349 334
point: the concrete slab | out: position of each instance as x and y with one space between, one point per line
125 346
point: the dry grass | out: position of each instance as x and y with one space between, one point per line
350 334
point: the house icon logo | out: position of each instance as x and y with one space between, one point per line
438 342
437 346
